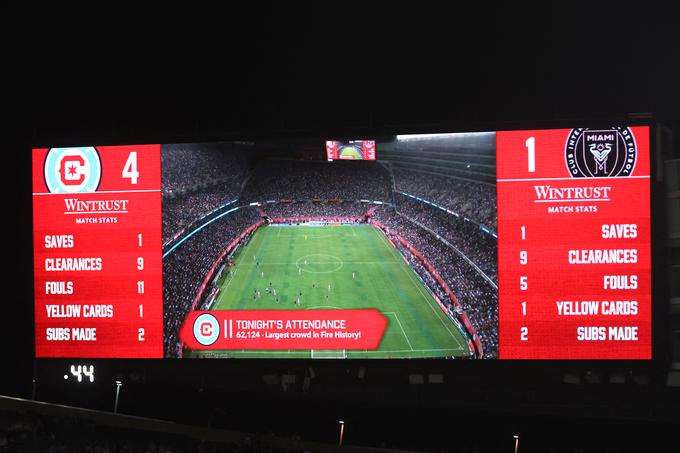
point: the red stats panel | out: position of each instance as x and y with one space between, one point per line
97 249
574 244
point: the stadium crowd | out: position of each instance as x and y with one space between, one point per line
198 178
316 209
308 180
180 212
467 237
192 167
478 299
476 201
187 266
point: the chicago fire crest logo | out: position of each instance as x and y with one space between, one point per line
592 153
71 170
206 329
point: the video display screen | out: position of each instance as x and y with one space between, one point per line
531 244
350 150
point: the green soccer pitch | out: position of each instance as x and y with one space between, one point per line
351 151
308 259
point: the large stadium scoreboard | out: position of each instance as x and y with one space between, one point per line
350 150
574 255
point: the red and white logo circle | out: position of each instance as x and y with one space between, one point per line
71 170
206 329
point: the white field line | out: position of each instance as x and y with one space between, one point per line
418 287
401 327
224 290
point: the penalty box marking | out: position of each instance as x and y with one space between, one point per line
401 327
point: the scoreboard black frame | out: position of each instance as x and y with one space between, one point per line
523 371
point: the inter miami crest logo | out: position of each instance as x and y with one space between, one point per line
600 152
71 170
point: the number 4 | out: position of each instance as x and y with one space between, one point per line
130 168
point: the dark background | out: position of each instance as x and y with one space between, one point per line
76 73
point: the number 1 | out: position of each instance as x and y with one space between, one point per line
530 143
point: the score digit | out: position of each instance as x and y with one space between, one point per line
140 264
530 143
130 168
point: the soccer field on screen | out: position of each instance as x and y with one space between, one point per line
319 262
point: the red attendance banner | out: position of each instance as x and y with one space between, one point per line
284 329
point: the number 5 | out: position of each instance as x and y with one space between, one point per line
130 168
